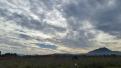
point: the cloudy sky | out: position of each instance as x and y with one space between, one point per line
59 26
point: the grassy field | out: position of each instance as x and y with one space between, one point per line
52 62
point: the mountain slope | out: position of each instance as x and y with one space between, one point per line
103 51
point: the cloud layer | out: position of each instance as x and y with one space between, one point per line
59 26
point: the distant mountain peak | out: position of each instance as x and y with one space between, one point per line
100 51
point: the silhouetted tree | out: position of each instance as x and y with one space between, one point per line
10 54
0 53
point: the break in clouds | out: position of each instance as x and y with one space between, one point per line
59 26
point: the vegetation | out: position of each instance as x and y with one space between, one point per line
60 61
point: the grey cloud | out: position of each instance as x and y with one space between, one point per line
27 21
108 19
102 16
76 39
24 21
83 9
10 42
24 36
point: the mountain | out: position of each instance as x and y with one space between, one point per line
103 51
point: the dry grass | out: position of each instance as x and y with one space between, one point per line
50 62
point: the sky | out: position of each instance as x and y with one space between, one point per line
59 26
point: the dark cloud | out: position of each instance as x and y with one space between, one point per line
108 19
103 15
24 36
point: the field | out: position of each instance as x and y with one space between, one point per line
60 62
